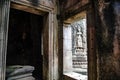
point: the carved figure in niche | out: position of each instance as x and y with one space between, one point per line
79 37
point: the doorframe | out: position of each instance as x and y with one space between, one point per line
47 42
91 41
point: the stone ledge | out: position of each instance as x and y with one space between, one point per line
74 76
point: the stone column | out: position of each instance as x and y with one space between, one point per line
4 18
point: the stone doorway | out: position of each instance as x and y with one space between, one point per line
24 47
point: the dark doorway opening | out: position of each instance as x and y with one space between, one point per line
24 41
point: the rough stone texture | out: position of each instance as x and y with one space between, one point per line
108 39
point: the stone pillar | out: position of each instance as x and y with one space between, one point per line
4 18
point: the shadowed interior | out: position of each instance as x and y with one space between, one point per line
24 41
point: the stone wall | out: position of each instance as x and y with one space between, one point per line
108 39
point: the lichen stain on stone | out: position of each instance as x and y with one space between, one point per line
108 39
106 33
